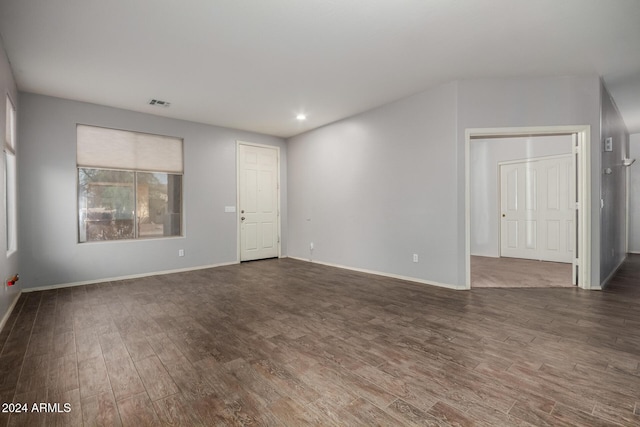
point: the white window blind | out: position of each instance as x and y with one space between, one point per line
118 149
10 200
11 203
10 130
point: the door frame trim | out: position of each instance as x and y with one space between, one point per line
238 223
584 188
533 159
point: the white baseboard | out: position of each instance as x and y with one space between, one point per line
605 282
9 311
634 252
379 273
131 276
487 255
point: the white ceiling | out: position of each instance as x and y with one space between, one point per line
255 64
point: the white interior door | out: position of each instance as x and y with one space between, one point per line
537 209
259 201
557 210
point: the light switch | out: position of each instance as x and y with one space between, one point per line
229 208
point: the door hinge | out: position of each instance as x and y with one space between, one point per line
576 149
577 205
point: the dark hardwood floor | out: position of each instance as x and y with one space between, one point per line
284 342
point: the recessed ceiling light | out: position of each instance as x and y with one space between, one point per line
301 117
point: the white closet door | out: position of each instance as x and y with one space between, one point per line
536 210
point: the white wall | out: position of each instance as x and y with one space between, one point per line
372 190
634 194
8 266
48 195
485 154
613 228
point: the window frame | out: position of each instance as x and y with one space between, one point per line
10 177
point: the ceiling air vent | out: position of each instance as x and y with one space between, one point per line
159 103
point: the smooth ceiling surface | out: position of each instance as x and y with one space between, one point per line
255 64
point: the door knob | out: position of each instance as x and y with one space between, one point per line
242 218
242 211
503 215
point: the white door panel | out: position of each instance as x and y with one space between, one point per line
511 237
541 227
531 189
250 237
531 236
258 188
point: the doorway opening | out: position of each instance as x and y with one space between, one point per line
527 199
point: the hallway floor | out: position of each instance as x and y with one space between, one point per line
489 272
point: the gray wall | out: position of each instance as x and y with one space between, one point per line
634 194
613 229
485 154
369 191
552 101
47 200
8 266
372 190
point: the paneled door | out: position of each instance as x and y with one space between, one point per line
259 201
537 212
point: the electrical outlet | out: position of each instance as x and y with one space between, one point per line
608 144
415 257
180 252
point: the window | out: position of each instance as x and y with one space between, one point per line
10 178
129 185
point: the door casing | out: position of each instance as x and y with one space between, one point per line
583 184
238 210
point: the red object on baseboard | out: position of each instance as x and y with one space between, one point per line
13 280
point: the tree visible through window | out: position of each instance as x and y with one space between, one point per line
126 204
